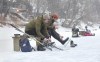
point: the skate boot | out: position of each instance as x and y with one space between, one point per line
72 44
64 41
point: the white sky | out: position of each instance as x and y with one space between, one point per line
88 49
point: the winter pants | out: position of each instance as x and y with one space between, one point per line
53 33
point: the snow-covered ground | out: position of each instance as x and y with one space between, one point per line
88 49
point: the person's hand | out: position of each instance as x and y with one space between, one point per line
49 39
56 27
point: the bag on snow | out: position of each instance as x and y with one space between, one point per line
25 45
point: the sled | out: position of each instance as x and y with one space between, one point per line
89 34
85 33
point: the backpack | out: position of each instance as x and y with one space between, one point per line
25 45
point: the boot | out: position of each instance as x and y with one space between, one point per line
40 48
72 44
64 41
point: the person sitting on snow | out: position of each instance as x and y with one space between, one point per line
43 28
75 31
86 28
52 29
38 29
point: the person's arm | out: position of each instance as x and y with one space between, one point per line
38 27
50 25
46 31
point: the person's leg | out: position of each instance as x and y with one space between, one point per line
39 46
31 32
56 36
53 33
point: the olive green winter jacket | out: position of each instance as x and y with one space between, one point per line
38 24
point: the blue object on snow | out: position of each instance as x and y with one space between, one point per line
25 45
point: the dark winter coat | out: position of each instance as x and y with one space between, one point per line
38 25
50 24
75 30
51 29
